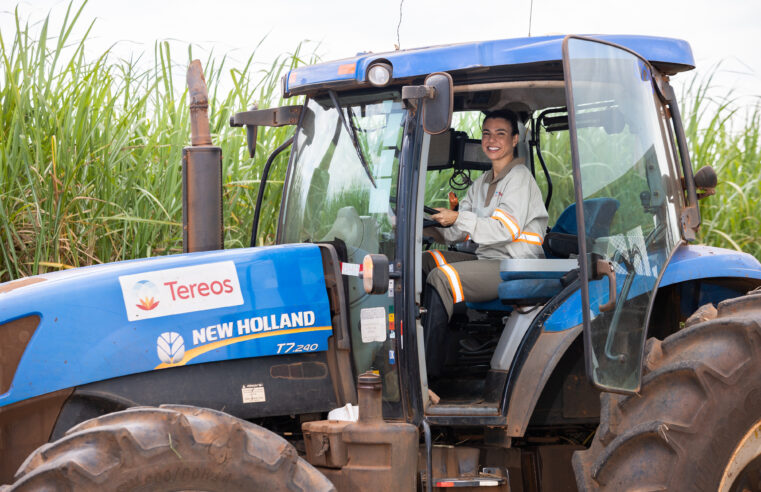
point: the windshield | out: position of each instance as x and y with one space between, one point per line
331 197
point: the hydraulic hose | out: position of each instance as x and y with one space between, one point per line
262 184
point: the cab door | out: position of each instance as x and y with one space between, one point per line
620 151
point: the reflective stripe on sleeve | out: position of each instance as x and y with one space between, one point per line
438 257
454 282
531 238
507 221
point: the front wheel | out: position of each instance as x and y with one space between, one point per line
169 448
696 423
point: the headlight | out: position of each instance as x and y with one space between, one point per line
379 74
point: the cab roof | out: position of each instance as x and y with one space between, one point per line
668 55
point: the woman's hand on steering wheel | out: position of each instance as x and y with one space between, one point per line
445 217
447 222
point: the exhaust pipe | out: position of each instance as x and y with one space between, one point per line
201 174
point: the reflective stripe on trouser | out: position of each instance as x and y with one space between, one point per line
434 258
463 278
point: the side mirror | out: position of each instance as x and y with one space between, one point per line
437 94
705 181
375 274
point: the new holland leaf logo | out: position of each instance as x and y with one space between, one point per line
171 347
146 292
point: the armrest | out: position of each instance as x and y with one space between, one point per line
561 244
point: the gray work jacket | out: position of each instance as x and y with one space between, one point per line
504 215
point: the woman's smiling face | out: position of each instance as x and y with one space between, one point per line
497 139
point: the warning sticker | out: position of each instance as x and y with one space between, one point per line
373 324
253 393
351 269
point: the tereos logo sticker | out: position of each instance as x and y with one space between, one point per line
146 293
181 290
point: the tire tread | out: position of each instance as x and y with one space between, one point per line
93 454
648 441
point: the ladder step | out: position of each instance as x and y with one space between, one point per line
469 482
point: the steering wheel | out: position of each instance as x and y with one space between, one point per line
429 211
429 222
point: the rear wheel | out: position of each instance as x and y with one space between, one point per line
172 447
696 423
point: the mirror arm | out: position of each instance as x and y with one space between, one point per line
254 118
690 215
282 116
411 93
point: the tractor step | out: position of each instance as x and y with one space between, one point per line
469 482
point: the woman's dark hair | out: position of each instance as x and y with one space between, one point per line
505 114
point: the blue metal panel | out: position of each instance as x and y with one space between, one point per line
687 263
85 335
691 262
422 61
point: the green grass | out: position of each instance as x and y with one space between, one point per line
727 137
90 152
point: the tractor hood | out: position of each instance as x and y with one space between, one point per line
105 321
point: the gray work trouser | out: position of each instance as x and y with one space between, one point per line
460 277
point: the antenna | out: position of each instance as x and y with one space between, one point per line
530 13
398 44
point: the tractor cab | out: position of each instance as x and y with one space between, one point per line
383 139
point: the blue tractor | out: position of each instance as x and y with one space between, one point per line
628 358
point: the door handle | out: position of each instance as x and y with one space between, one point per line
605 267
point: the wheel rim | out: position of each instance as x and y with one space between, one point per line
744 467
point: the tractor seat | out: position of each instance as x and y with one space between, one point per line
529 281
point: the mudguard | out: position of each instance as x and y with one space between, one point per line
689 262
129 317
543 347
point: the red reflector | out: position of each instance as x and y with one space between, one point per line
444 484
347 69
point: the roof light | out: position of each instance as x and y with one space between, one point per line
379 74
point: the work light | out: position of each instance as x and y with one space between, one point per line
379 74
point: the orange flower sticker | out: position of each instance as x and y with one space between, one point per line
147 303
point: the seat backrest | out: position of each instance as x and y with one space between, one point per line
598 216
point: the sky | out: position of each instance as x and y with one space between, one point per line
720 32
